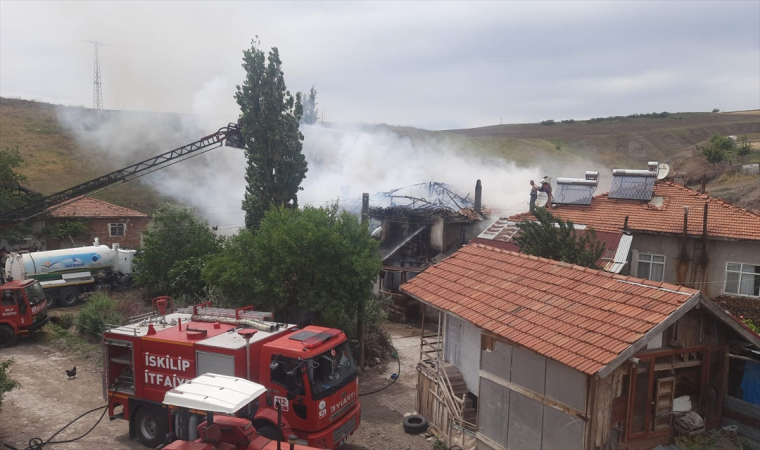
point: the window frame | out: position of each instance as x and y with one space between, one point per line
651 262
739 281
113 225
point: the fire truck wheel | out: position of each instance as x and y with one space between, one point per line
69 296
269 431
7 336
50 298
150 428
415 424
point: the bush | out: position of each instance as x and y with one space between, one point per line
715 110
7 383
99 311
547 122
66 320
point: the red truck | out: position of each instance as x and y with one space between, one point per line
22 310
309 371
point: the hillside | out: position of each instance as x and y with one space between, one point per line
53 158
64 146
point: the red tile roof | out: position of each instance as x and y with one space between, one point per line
89 207
724 220
580 317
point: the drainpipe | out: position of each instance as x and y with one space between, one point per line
682 267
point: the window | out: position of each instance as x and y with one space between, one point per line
117 229
742 279
651 267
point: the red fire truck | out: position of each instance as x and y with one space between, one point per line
22 310
309 371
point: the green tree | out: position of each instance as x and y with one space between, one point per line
316 260
270 117
310 111
12 193
553 238
7 383
719 149
744 147
175 248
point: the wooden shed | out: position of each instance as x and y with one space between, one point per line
556 356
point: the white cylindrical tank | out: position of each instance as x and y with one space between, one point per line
50 264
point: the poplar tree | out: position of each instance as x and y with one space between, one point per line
270 127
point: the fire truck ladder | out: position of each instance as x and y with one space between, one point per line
229 135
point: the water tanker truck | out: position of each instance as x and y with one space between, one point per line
68 273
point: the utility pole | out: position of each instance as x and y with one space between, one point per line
97 88
361 304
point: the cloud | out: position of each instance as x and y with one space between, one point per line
427 64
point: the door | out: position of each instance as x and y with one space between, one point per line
453 344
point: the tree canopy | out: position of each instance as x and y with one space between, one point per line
719 149
553 238
270 128
12 193
175 248
317 260
310 111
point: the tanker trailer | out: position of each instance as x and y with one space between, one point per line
66 274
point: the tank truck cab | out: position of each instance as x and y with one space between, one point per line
221 398
312 375
22 310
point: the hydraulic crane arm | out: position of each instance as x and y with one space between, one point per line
229 135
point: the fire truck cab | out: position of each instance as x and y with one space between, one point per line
220 397
309 372
22 310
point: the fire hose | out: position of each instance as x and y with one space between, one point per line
398 375
37 443
262 326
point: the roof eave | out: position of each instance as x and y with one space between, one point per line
642 341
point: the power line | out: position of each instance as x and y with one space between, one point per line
97 89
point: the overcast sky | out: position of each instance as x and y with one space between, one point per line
435 65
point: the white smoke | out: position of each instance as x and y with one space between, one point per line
341 158
376 159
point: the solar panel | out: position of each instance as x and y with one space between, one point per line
632 184
574 191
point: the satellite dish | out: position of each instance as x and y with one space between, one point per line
376 233
541 199
662 171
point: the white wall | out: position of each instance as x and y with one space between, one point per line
467 349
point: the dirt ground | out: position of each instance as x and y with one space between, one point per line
48 400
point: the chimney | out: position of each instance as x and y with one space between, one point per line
704 184
478 195
679 178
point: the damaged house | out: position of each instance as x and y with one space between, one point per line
532 353
420 224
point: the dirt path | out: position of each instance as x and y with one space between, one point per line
48 400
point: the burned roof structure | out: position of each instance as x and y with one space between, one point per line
424 201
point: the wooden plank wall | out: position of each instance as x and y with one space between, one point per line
603 392
744 415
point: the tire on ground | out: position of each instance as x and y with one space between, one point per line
415 424
7 336
150 426
69 296
51 297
